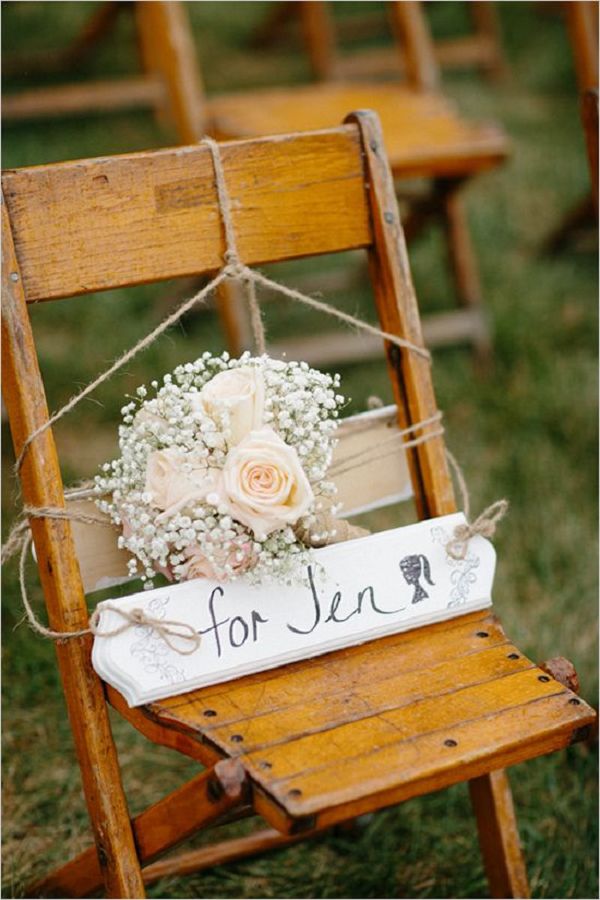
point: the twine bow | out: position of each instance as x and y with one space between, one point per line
484 525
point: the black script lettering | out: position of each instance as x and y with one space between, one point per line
245 631
215 625
316 604
337 599
256 618
384 612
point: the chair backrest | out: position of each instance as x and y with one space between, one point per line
412 37
91 225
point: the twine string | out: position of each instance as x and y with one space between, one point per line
20 536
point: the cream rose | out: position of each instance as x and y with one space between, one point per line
263 483
171 487
239 392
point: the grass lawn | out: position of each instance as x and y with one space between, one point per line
526 431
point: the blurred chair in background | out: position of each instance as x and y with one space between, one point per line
170 83
582 24
425 136
481 48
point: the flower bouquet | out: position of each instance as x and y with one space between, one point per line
223 471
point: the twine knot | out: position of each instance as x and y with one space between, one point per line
165 628
484 525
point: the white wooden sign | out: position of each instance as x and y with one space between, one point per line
353 592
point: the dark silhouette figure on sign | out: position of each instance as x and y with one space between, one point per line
414 568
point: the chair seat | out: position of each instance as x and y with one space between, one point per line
358 729
424 133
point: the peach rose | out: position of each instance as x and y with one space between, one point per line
170 487
241 393
263 483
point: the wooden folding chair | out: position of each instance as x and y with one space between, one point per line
425 137
582 26
480 48
316 742
170 83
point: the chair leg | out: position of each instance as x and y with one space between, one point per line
168 51
492 802
464 264
487 28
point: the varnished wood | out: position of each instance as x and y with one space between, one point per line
219 854
424 134
398 312
166 823
41 482
460 681
155 215
493 804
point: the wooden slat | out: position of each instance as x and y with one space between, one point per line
96 224
366 699
265 692
402 769
424 134
379 476
93 96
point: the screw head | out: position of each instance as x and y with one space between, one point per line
574 701
450 742
237 738
543 678
389 218
14 276
482 634
209 713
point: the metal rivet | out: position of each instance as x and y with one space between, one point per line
450 742
373 145
237 738
389 218
295 792
543 678
482 634
209 713
574 701
14 276
265 765
513 655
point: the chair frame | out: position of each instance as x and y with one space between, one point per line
122 844
481 48
170 83
415 54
